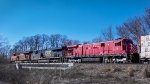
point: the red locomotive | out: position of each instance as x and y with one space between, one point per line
122 50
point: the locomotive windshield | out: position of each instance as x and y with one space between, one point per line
118 44
126 41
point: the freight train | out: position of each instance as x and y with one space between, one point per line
120 50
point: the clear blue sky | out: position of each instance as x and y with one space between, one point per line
78 19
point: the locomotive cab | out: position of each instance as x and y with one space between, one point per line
127 50
131 49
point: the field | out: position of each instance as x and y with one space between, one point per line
92 73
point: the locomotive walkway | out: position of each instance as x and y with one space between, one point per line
59 66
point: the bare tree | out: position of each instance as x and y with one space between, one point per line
108 34
45 41
55 40
98 39
72 42
37 42
30 41
58 40
132 28
75 42
122 31
86 42
147 18
4 47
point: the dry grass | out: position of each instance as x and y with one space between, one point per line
106 70
9 74
3 60
82 74
115 69
145 73
130 72
75 72
40 77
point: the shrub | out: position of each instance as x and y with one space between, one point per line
3 60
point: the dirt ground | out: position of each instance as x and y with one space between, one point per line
92 73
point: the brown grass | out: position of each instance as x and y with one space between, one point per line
130 72
106 70
3 60
9 74
115 69
145 72
101 74
75 72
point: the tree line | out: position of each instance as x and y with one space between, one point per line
42 41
